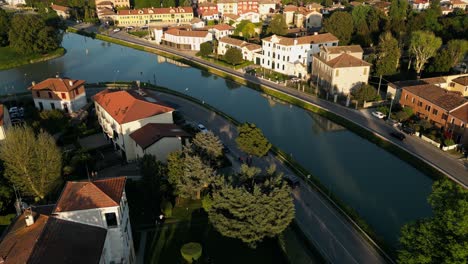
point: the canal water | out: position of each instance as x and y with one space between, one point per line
384 190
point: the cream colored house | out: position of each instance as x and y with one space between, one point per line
340 69
248 49
220 30
121 112
293 56
185 39
266 7
5 121
154 16
159 140
227 7
458 83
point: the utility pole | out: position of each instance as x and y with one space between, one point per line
390 111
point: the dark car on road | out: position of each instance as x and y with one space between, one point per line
398 135
292 180
408 130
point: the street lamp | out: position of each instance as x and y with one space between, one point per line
115 76
390 111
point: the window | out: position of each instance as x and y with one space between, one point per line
50 94
444 116
38 94
435 111
365 71
111 219
406 97
428 108
64 96
337 73
52 105
420 104
412 100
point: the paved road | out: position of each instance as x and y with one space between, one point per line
450 166
333 235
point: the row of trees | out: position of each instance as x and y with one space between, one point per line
28 33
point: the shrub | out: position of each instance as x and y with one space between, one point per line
449 142
191 251
233 56
166 208
383 110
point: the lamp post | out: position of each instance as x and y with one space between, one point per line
115 76
390 111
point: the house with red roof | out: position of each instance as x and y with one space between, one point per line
89 224
340 69
5 121
62 11
122 112
185 39
59 93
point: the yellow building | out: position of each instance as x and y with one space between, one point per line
147 16
458 83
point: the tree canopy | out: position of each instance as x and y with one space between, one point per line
30 34
278 25
252 141
449 56
340 24
423 46
388 55
206 48
233 56
32 162
4 27
246 29
365 92
208 144
442 238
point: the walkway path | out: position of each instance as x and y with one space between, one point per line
454 168
333 235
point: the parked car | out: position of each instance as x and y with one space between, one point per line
378 114
202 128
116 29
292 180
398 135
408 130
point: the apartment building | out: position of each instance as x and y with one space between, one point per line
155 16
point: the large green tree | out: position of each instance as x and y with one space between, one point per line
32 162
252 141
30 34
442 238
278 25
206 48
365 92
233 56
387 56
423 46
245 28
449 56
340 24
250 210
4 27
397 13
208 145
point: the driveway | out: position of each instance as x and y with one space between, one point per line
333 235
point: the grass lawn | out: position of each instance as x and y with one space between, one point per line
163 246
139 34
10 58
146 3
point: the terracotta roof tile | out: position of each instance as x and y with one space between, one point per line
461 113
125 106
312 39
57 84
441 97
231 16
187 33
60 8
253 47
209 13
463 80
290 8
89 195
223 27
233 41
152 133
343 49
345 60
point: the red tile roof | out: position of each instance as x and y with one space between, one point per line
461 113
233 41
126 107
89 195
343 49
290 8
187 33
57 84
60 8
152 133
312 39
223 27
51 240
346 60
441 97
463 80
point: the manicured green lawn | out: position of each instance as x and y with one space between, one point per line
163 246
10 58
139 34
146 3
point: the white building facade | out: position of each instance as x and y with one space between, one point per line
186 39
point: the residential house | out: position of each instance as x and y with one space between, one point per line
420 5
309 19
210 15
115 3
231 19
154 16
197 23
445 109
185 39
62 11
89 224
38 236
249 50
159 140
227 7
251 16
5 121
459 84
220 30
59 93
15 2
293 56
247 6
208 11
340 69
459 4
288 13
266 7
101 203
121 112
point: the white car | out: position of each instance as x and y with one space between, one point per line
116 29
202 128
378 114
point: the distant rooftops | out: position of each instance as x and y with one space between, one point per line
162 10
57 84
441 97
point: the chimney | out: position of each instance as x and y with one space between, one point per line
33 83
29 217
70 82
295 42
